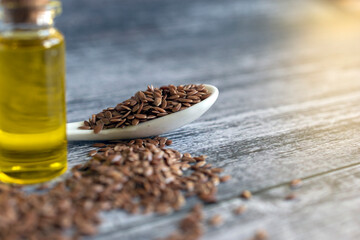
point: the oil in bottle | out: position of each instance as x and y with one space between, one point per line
32 97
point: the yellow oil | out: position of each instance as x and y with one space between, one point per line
32 106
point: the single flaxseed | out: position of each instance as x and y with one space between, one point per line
260 235
239 210
135 122
99 145
225 178
216 220
291 196
295 183
92 153
246 194
98 127
141 116
190 227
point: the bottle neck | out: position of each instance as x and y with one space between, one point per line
28 18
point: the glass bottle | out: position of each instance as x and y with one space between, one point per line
33 145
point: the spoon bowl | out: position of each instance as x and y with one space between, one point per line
149 128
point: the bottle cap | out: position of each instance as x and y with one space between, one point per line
23 11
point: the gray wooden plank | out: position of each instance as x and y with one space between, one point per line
288 106
326 208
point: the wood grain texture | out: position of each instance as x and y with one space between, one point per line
288 74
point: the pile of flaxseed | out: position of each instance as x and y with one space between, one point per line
147 105
139 176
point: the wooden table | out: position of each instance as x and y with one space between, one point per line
289 79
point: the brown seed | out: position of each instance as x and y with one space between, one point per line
130 117
116 120
239 210
290 197
99 145
173 97
159 109
225 178
217 170
141 108
164 103
207 197
201 158
295 183
136 107
157 101
260 235
93 118
205 96
177 108
122 107
92 153
98 128
246 194
191 93
141 95
200 164
183 100
193 97
108 114
157 95
126 114
85 127
140 116
135 122
216 220
120 123
149 117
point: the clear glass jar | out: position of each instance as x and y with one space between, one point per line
33 145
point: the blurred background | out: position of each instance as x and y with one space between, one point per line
129 43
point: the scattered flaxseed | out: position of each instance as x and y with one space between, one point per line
291 196
246 194
260 235
295 183
137 176
99 145
216 220
239 210
147 105
225 178
190 227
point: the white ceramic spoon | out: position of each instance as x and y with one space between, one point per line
146 129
